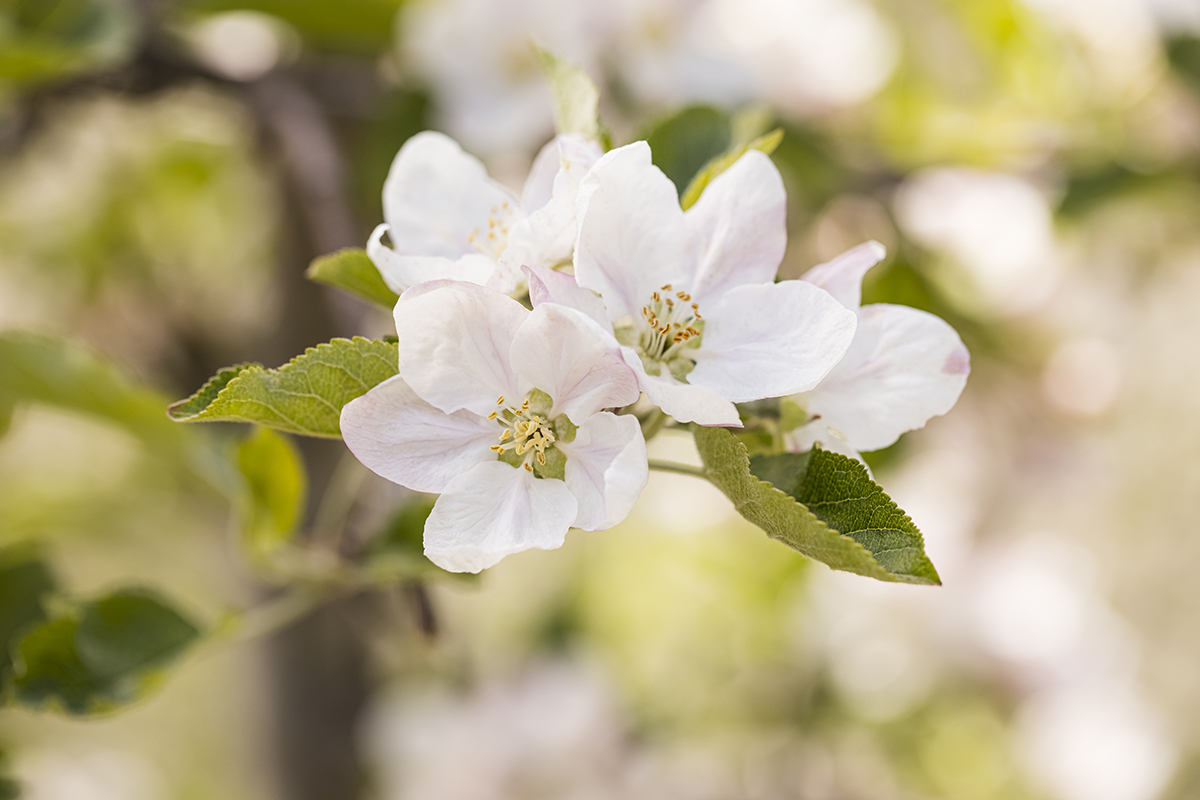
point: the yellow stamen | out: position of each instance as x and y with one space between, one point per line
500 400
527 467
666 287
507 433
493 415
541 457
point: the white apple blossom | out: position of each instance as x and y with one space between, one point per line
447 219
691 295
499 409
904 367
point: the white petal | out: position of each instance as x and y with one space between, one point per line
552 222
842 277
455 341
493 511
606 469
569 357
738 228
552 286
436 196
539 185
802 439
401 272
904 367
761 340
683 401
630 230
399 436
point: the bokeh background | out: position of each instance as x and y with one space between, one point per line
168 169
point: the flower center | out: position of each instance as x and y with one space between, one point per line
670 331
494 240
525 434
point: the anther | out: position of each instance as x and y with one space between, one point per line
497 448
541 457
507 433
684 296
656 297
493 415
500 400
527 467
666 287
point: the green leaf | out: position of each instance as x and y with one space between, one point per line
351 270
277 485
823 505
575 96
304 396
683 143
24 581
207 393
353 27
41 370
110 655
36 369
42 40
765 143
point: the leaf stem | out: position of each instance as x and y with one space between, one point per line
278 613
682 469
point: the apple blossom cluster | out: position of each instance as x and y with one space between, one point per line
535 331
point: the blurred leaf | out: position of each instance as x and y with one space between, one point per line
816 170
42 40
1086 190
304 396
8 407
24 581
823 505
351 269
575 96
355 27
682 144
766 143
395 117
397 550
110 655
1183 52
275 475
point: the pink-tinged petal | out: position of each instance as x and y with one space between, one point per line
539 184
552 286
495 510
401 272
439 201
760 341
571 358
904 367
606 469
455 341
738 228
842 277
399 436
802 439
683 401
631 230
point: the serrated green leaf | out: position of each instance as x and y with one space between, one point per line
841 493
277 487
207 393
24 581
304 396
682 143
351 270
575 96
835 490
110 655
765 143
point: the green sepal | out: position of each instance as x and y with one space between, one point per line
352 270
304 396
765 143
575 96
110 652
821 504
555 466
276 490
